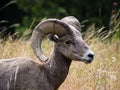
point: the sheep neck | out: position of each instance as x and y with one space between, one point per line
58 67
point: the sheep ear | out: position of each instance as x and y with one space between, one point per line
53 38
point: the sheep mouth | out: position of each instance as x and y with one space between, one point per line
87 61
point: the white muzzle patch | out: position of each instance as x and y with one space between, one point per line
88 56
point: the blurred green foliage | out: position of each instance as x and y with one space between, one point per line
98 11
26 14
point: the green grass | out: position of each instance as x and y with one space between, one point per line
102 74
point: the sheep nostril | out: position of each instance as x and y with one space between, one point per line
91 56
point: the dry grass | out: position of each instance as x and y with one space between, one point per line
102 74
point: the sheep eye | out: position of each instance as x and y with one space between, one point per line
68 42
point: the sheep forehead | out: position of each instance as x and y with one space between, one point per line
79 41
67 37
76 39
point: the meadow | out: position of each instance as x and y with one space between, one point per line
102 74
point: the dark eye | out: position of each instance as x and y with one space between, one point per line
68 42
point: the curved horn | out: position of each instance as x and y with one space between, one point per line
49 26
73 23
71 20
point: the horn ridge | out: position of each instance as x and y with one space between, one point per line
71 20
54 22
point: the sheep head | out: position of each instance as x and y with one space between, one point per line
67 37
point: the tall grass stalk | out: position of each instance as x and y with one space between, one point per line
102 74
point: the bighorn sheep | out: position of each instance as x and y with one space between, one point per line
26 74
